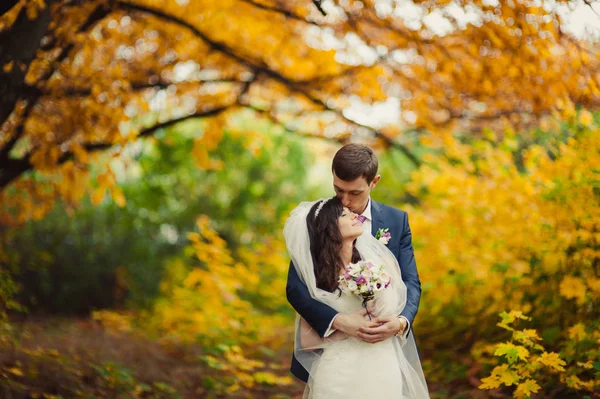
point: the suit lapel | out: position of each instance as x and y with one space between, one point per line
377 215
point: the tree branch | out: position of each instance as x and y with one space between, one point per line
285 13
19 53
261 67
10 169
317 4
149 131
6 5
258 66
287 129
387 140
213 112
99 13
18 133
161 84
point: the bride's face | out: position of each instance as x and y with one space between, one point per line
350 226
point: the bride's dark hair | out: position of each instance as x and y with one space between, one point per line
326 243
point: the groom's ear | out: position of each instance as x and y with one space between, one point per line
375 181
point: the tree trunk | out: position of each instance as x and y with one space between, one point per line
18 44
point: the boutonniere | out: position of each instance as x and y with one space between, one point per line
383 235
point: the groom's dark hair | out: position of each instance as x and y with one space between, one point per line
353 161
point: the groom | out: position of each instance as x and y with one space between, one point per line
354 170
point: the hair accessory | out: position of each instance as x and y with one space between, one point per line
321 204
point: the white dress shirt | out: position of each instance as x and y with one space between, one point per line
366 230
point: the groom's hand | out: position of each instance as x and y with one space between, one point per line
385 327
351 323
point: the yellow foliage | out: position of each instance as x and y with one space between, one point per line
537 364
576 383
207 302
573 288
113 321
15 371
577 332
472 226
117 195
501 375
593 283
552 360
271 379
495 231
98 195
512 352
526 388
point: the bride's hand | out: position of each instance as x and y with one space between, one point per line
385 327
351 323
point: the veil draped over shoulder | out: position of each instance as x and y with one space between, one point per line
390 301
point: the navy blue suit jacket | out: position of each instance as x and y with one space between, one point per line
319 315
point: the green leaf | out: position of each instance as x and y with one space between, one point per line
512 352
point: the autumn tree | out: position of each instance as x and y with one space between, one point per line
78 77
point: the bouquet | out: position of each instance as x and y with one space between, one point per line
364 279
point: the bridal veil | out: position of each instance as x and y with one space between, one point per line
390 301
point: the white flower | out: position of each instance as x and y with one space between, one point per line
376 273
343 283
354 269
352 285
383 236
368 274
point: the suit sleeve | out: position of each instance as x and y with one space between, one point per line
408 267
316 313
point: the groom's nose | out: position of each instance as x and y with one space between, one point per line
345 200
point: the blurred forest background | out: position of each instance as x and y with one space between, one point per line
150 152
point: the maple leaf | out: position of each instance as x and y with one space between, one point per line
500 375
527 337
526 388
552 360
491 382
512 352
508 377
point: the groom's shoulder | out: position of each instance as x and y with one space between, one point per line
391 211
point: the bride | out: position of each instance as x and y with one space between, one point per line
322 237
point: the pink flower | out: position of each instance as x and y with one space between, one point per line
385 278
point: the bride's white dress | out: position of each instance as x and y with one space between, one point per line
354 369
351 368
